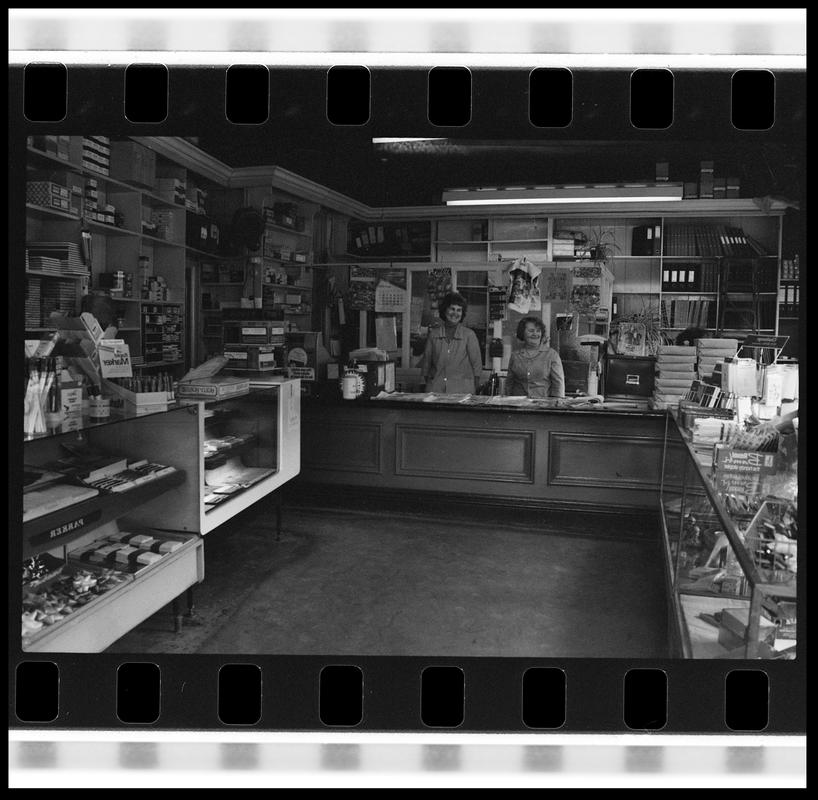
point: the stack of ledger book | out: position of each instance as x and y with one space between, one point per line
675 372
710 352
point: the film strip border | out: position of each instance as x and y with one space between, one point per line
305 693
740 105
491 694
333 761
500 32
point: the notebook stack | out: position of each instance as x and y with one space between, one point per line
32 309
675 372
57 258
710 352
58 296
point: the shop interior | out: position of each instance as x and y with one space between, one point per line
229 444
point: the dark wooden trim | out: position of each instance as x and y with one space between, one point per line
631 522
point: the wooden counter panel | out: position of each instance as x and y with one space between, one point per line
334 445
592 459
468 453
553 459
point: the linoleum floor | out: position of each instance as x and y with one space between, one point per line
352 582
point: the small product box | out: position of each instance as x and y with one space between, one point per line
214 387
48 194
71 400
259 331
139 402
251 356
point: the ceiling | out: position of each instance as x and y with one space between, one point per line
416 173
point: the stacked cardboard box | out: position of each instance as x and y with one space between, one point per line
96 154
172 189
675 372
48 194
710 352
164 221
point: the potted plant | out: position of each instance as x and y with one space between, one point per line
602 245
654 335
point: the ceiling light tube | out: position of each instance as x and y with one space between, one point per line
597 193
398 139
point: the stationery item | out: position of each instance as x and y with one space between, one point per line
43 501
99 407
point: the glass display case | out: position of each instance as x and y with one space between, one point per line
114 514
731 560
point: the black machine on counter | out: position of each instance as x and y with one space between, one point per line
629 378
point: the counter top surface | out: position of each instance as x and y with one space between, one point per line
466 403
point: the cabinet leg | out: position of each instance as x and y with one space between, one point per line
177 616
191 617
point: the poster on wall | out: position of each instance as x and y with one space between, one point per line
361 288
524 286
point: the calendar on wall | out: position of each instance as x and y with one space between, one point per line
390 292
389 297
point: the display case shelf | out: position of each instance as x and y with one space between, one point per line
159 242
111 230
720 590
93 627
81 518
273 227
50 213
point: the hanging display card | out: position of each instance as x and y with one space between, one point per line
497 303
114 358
555 284
386 334
361 288
742 472
524 286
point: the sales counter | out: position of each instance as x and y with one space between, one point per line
583 455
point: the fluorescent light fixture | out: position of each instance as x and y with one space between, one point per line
585 193
397 139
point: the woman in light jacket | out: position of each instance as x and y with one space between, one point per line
535 370
452 361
